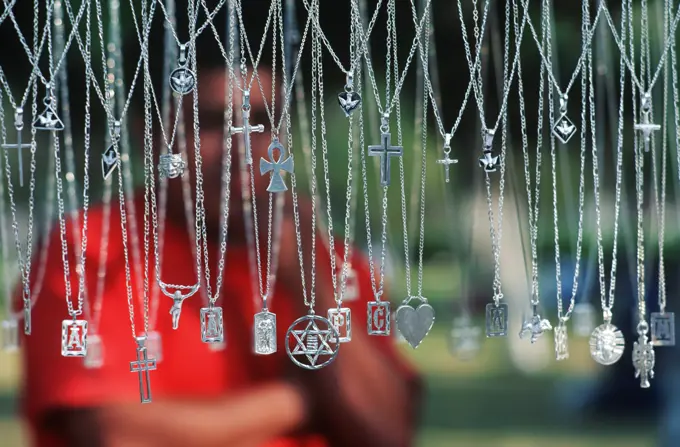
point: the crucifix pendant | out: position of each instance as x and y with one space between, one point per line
341 320
564 128
643 356
142 366
10 335
534 326
95 352
246 129
561 341
275 166
663 328
385 151
74 338
212 325
19 145
264 332
447 161
177 300
378 318
496 320
646 127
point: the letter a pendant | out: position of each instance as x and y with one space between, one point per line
212 325
74 338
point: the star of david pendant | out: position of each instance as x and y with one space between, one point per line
606 344
341 320
10 335
378 318
464 338
154 346
171 166
212 327
561 342
415 324
264 333
95 352
74 338
312 348
496 320
663 328
584 319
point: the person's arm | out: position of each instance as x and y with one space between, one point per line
246 420
367 396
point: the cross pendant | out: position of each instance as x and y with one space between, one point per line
142 366
246 129
447 161
19 126
385 151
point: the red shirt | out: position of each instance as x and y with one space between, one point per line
189 368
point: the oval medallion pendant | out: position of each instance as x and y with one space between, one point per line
606 344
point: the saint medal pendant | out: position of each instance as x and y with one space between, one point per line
415 324
341 319
496 320
308 342
606 344
182 79
643 356
564 128
212 325
264 333
10 335
95 352
561 342
663 328
154 346
378 318
74 338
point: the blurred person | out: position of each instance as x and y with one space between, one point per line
369 396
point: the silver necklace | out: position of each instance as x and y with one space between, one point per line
312 342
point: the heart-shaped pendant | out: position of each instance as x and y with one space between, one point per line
349 101
414 324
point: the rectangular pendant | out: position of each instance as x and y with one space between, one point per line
27 320
663 328
264 333
10 335
212 325
154 346
561 342
496 320
378 320
74 338
341 320
95 352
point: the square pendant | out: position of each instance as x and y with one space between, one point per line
154 346
663 328
564 129
341 320
10 335
496 320
351 286
264 333
95 352
74 338
212 325
378 318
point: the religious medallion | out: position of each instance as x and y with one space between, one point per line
171 166
275 166
415 324
606 344
74 338
496 320
310 337
643 358
341 320
663 328
385 151
182 79
212 325
378 318
264 333
142 366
